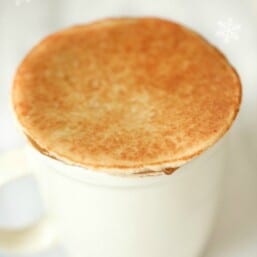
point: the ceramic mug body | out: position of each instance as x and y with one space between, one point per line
102 215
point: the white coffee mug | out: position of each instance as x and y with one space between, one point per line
96 214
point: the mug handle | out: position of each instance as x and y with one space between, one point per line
32 238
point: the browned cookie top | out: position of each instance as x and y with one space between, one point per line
126 95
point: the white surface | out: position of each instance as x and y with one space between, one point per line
24 25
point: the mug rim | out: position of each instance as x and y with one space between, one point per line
102 178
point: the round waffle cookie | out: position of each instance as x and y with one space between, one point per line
126 95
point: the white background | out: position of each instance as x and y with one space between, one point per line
24 23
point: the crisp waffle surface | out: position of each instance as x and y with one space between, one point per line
125 95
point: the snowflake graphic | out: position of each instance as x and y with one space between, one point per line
20 2
228 30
